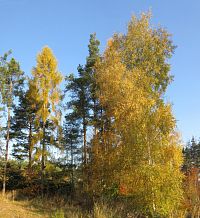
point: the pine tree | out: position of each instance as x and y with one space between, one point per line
79 104
195 153
83 89
84 104
11 81
23 125
192 154
90 72
72 140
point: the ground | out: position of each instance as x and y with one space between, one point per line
16 209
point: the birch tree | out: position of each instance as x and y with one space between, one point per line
142 154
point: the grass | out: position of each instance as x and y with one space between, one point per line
10 209
57 207
52 208
15 209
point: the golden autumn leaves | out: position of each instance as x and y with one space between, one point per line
132 77
137 151
47 79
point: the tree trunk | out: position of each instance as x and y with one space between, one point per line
95 117
7 139
43 158
6 154
84 142
30 147
72 164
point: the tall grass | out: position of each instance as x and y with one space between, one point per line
58 207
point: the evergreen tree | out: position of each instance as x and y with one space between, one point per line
23 125
11 80
83 94
192 155
79 104
195 153
72 140
90 72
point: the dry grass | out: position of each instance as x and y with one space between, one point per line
57 208
13 209
43 208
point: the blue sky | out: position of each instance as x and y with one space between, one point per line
65 26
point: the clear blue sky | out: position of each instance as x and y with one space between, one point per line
65 26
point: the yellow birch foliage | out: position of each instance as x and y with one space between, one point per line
145 157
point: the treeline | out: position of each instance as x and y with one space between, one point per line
191 168
115 137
